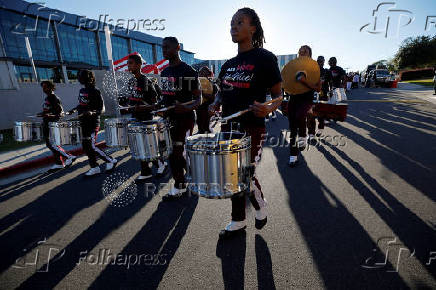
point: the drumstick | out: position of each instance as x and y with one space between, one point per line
172 107
132 107
235 115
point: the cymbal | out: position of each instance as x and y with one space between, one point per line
206 86
301 64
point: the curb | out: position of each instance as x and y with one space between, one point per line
40 162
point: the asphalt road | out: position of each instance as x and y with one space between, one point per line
358 213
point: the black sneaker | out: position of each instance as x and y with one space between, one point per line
259 224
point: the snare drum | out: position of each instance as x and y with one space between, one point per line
65 133
218 164
149 140
27 131
115 131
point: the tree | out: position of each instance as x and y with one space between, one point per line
416 53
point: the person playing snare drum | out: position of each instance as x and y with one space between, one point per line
244 82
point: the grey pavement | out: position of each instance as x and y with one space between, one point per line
358 212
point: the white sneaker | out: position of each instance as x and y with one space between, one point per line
319 132
173 194
176 191
301 143
70 160
261 213
293 160
93 171
311 137
111 165
56 166
274 116
162 167
143 177
234 226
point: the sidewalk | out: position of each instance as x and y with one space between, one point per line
24 159
421 92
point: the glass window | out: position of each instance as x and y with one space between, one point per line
25 74
72 75
187 57
103 51
119 47
78 46
159 55
145 49
14 27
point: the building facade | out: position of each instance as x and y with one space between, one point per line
63 43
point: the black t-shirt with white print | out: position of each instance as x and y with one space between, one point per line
335 75
245 79
52 106
90 100
178 83
141 91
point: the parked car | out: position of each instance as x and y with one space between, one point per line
382 78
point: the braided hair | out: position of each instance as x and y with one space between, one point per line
258 37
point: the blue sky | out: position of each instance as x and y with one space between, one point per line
331 28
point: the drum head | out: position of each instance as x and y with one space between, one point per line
218 142
206 86
301 64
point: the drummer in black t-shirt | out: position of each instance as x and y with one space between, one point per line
143 97
51 112
179 85
336 75
244 83
89 110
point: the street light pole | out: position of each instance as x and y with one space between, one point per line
107 33
29 53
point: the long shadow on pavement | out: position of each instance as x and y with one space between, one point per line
43 217
409 228
111 219
337 241
265 278
413 144
161 237
232 255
